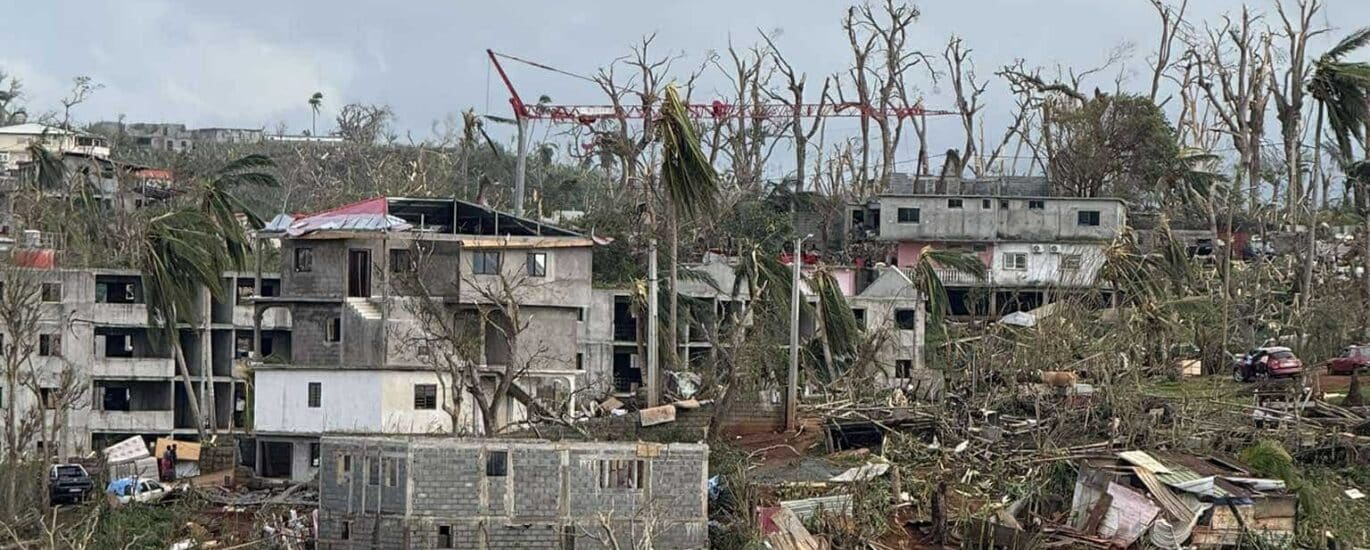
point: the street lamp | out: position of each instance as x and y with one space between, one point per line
792 391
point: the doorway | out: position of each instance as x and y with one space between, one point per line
277 457
359 273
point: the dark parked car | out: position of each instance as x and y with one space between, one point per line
1353 358
1267 362
69 483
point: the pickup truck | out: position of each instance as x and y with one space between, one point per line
68 483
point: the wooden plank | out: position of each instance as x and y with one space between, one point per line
1096 514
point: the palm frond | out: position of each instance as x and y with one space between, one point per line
688 178
1354 41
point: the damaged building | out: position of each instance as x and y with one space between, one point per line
365 362
1036 247
881 301
94 322
481 493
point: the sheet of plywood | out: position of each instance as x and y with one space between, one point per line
185 450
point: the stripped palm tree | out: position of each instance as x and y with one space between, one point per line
187 249
1342 92
315 103
689 183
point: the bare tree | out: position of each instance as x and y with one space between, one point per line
81 89
20 314
364 124
794 84
11 97
961 72
1236 57
1288 91
1172 21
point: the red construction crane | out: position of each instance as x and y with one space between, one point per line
589 114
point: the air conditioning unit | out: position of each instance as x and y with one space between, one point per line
1055 248
1036 249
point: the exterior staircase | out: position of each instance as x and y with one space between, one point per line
364 308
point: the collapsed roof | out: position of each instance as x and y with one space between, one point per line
426 215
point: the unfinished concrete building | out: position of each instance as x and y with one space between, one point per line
94 323
365 361
881 301
474 493
1035 247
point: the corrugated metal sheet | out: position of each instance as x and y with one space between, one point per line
806 508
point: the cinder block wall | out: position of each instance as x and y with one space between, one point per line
551 493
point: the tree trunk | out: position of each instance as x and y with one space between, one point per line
1311 251
191 399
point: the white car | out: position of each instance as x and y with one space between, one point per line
143 490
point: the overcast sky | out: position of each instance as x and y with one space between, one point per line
252 63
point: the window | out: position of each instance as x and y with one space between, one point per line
445 536
49 397
346 530
537 264
485 262
52 292
315 394
344 467
332 331
50 345
905 319
314 455
392 471
425 397
2 396
373 470
401 261
903 368
580 315
1071 262
1036 205
860 314
908 215
304 260
979 247
1088 217
1015 261
621 474
1003 204
986 204
496 463
953 203
580 361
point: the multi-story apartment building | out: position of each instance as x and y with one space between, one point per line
15 141
94 325
1034 246
174 136
881 300
360 364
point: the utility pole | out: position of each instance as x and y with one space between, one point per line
792 391
653 384
520 166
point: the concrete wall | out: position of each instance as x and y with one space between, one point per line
1005 219
551 491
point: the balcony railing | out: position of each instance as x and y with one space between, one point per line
134 367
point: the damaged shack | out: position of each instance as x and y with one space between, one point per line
1174 499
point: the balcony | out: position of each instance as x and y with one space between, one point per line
132 421
131 315
272 319
955 277
134 368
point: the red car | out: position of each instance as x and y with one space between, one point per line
1268 362
1352 358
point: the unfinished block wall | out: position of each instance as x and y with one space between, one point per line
550 494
